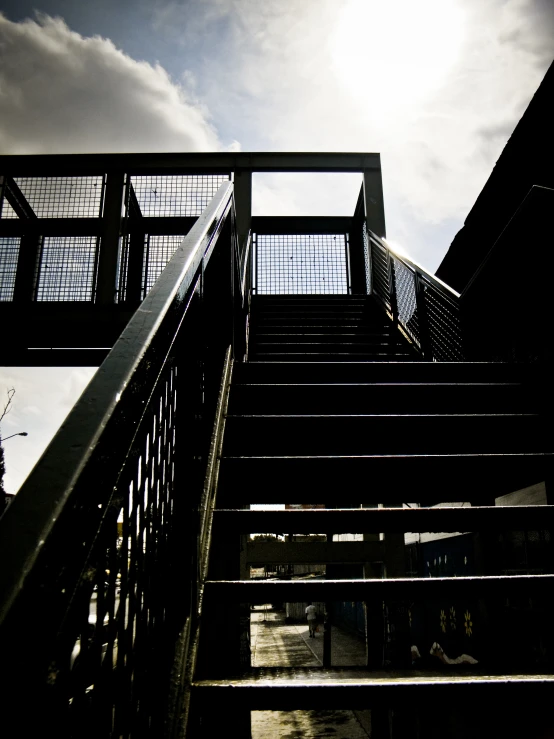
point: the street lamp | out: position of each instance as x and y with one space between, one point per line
5 438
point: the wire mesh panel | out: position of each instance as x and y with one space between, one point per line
9 252
175 195
444 325
380 272
125 642
67 268
158 251
60 197
301 264
406 305
6 210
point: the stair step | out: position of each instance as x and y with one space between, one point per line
358 371
391 589
428 479
382 434
374 520
287 688
299 321
335 356
276 335
294 346
313 309
380 398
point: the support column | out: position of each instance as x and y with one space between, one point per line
395 567
28 263
135 258
30 244
243 204
373 615
106 280
373 201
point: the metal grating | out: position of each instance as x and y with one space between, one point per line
7 210
443 318
127 633
67 268
175 195
60 197
157 253
9 253
301 264
406 300
380 270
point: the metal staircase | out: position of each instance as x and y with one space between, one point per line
311 328
307 424
124 587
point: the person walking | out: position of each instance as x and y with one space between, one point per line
312 619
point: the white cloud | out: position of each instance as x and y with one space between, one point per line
271 75
437 91
64 93
43 398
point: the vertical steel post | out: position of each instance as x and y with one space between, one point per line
28 263
373 202
374 210
135 246
243 205
106 280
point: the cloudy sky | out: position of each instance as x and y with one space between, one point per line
435 86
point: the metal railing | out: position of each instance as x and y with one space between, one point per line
423 308
299 264
100 595
64 218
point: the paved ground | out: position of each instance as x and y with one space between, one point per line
274 643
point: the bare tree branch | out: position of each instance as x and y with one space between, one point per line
6 410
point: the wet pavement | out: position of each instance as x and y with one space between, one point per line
274 643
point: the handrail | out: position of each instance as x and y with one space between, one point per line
72 448
414 266
117 457
425 310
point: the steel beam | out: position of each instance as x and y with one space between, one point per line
178 163
18 201
373 201
301 224
109 243
161 226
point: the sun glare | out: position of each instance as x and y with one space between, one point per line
393 52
